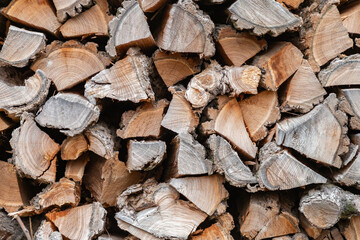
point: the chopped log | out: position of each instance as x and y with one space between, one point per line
137 232
180 117
62 60
75 169
221 230
227 162
293 4
329 199
69 112
36 14
45 231
34 152
357 42
101 140
128 79
5 123
170 217
73 147
236 48
140 36
186 29
254 14
206 192
280 62
330 234
310 230
10 229
244 79
145 155
151 5
260 111
349 175
350 17
350 155
174 67
145 121
302 91
106 179
351 229
352 96
324 131
80 223
187 157
31 44
65 9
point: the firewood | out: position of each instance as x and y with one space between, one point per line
45 231
101 140
33 92
236 48
352 96
260 111
310 230
151 5
69 112
186 29
65 9
293 4
217 231
357 42
187 157
145 155
252 15
329 199
350 155
127 79
330 234
206 192
34 152
75 169
36 14
137 232
174 67
351 229
73 147
280 62
349 175
106 179
350 17
302 91
227 162
62 60
324 141
145 121
5 123
167 210
180 117
123 23
82 223
31 44
10 229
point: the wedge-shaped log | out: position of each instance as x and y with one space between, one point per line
137 232
349 175
293 4
101 140
75 169
46 231
254 15
151 5
73 147
350 16
5 123
69 112
220 230
70 8
351 229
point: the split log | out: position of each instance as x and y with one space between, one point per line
206 192
145 121
65 9
73 147
302 91
357 42
236 48
31 44
80 223
5 123
259 112
34 152
180 117
221 230
145 155
174 67
140 36
351 229
36 14
293 4
106 179
167 218
101 140
45 231
330 234
75 169
350 155
69 112
10 229
280 62
151 5
310 230
137 232
349 175
186 29
227 162
350 16
253 15
62 60
324 130
33 92
128 79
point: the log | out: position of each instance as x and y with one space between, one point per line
69 112
350 17
31 44
137 232
37 14
127 80
34 152
174 67
101 140
186 29
236 48
150 5
5 123
123 23
65 9
217 231
349 175
254 14
331 234
62 60
82 223
292 4
145 121
351 229
75 169
73 147
45 231
280 62
10 229
310 230
145 155
167 210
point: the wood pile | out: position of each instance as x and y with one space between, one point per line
180 119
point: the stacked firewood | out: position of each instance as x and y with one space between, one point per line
188 119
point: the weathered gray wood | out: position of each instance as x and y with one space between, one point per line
350 175
10 229
101 140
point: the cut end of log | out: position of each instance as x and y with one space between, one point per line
70 8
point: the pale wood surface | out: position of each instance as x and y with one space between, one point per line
349 175
151 5
44 231
75 169
137 232
73 147
101 140
350 16
310 230
70 8
293 4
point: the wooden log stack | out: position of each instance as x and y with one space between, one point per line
181 119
